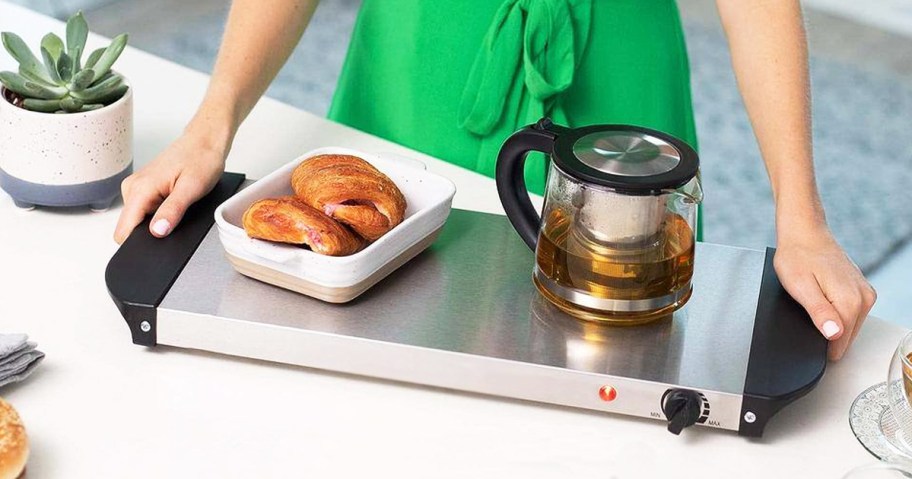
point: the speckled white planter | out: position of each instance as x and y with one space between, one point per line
66 159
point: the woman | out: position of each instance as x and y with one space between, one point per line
454 78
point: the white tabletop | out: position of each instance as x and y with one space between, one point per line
100 406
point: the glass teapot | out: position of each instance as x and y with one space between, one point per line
615 242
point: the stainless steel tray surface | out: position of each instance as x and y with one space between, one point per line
471 293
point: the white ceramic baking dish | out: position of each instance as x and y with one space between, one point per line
337 279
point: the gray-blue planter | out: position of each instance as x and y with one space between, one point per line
98 195
65 159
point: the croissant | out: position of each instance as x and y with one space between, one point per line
351 191
290 220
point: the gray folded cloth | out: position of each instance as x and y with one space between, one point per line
18 358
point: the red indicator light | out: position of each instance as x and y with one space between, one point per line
608 393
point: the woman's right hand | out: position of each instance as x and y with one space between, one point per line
183 173
254 47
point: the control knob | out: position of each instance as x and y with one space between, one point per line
682 408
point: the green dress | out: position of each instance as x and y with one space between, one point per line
454 78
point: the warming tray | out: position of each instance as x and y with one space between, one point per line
464 315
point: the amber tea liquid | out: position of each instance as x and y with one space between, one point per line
907 379
657 268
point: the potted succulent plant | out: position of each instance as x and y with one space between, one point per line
66 125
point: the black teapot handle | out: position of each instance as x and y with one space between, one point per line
511 184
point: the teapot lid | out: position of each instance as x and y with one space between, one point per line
625 157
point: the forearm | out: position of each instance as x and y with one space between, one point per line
259 37
769 55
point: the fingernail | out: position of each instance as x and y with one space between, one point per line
830 329
161 227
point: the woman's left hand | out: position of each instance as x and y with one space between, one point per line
815 270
